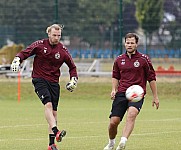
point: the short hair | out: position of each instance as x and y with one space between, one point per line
130 35
55 26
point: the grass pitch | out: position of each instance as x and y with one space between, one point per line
84 115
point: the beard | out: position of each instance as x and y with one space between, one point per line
54 42
131 51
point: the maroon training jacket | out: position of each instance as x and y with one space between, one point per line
135 70
48 60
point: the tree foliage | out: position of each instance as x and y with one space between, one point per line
149 14
171 25
85 19
88 19
25 18
91 22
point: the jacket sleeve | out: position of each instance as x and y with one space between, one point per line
71 65
116 71
29 51
151 75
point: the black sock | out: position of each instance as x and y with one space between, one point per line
55 130
51 139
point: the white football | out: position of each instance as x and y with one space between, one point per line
134 93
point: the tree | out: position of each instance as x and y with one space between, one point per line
130 22
88 20
84 19
149 15
26 19
171 24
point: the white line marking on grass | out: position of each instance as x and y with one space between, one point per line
37 125
83 137
154 133
22 125
34 139
170 119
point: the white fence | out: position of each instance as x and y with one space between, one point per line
83 68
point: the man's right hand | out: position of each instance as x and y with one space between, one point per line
15 65
113 93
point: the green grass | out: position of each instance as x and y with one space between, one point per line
84 114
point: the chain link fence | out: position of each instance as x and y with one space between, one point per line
95 29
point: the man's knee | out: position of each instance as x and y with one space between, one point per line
114 122
48 105
132 113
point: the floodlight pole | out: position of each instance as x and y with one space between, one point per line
19 86
121 26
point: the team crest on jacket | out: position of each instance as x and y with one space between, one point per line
45 50
122 61
136 63
57 55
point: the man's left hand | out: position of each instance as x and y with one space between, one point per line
155 102
72 84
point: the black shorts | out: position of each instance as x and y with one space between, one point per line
121 104
47 91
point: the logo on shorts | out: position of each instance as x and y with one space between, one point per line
57 55
136 63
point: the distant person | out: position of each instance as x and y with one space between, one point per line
131 68
50 54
